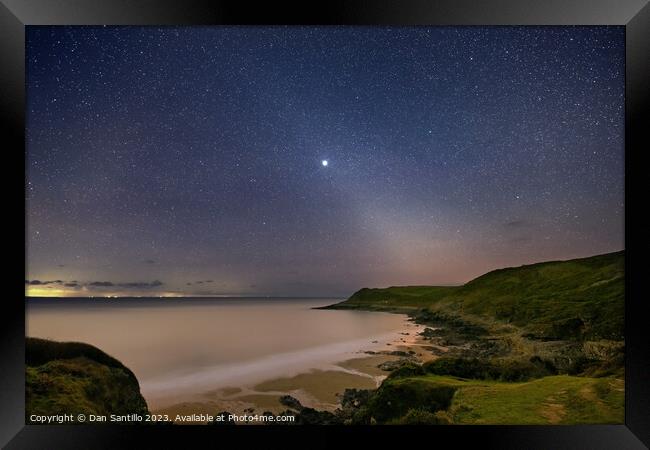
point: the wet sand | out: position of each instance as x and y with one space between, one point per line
320 388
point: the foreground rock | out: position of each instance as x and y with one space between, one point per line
307 416
389 366
76 378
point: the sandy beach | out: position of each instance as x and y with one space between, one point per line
320 387
237 355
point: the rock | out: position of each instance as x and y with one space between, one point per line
435 350
290 402
603 349
429 333
355 398
75 378
389 366
452 341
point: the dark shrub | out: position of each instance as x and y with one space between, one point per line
362 416
420 417
290 402
409 369
547 365
394 398
568 329
504 370
580 364
355 398
520 370
460 367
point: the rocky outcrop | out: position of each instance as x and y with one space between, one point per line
76 378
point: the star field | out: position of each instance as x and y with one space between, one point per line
316 161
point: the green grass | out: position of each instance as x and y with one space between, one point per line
396 298
558 399
40 351
524 325
577 299
76 378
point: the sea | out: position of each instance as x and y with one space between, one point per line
178 347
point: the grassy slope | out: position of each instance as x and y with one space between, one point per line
396 298
558 399
579 301
71 377
564 299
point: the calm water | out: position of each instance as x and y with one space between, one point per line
181 346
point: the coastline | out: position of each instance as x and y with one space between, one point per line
320 387
443 359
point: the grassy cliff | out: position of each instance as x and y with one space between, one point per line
75 378
575 299
536 344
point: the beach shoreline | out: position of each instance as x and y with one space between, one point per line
319 387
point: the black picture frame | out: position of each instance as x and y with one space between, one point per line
634 15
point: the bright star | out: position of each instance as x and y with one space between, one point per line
324 163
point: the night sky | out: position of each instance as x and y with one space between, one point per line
189 161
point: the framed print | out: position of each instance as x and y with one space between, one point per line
349 221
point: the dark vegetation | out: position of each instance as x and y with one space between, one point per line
541 343
307 416
75 378
40 351
498 370
396 398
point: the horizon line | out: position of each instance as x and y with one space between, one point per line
117 297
